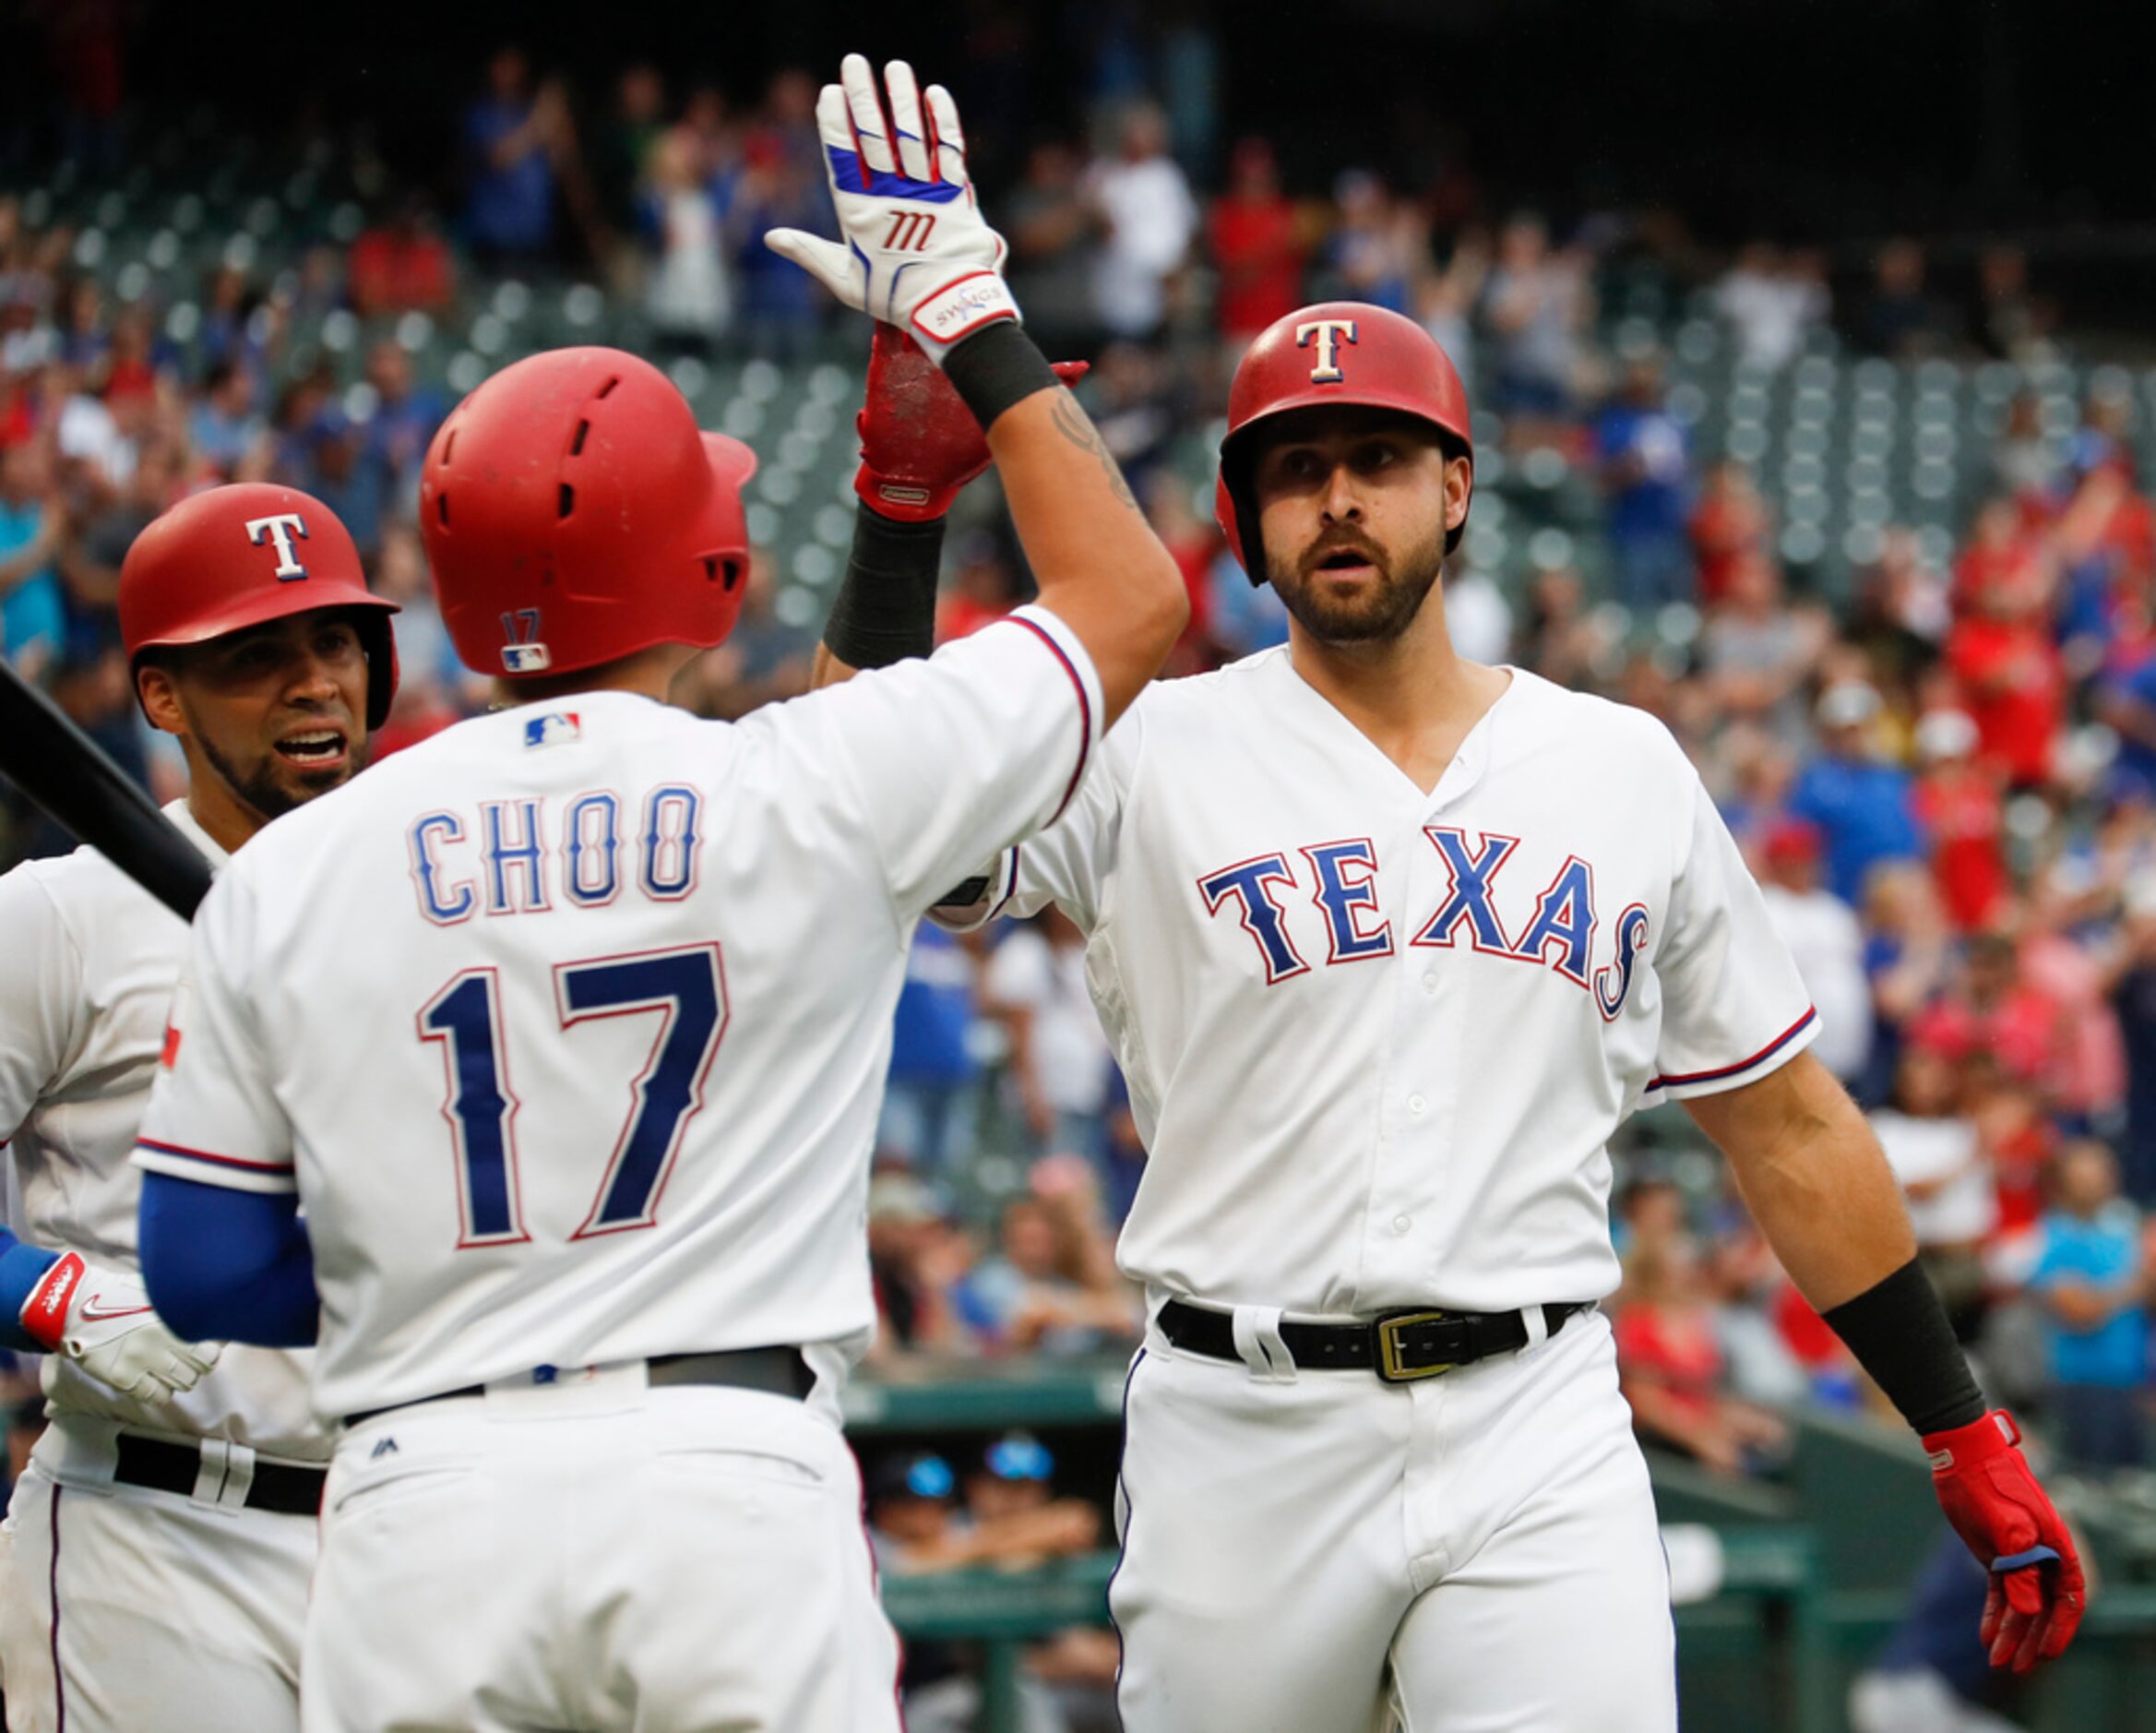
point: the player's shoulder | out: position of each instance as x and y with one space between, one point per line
78 891
1542 716
1204 699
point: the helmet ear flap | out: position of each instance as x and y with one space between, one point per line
379 642
1234 512
1456 448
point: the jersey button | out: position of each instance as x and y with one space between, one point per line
1401 1224
1416 1103
1430 983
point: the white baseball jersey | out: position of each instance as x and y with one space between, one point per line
1376 1039
569 1025
88 963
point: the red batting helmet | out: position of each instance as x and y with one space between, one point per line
1337 351
234 556
573 514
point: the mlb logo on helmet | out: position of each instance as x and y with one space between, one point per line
523 653
556 728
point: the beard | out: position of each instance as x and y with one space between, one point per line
1381 613
273 788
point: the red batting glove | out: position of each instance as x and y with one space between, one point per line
918 442
2035 1603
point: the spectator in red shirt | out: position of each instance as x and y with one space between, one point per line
1255 246
1729 525
2001 546
402 265
1992 1009
2003 656
982 587
2016 1138
1670 1362
1958 805
1192 541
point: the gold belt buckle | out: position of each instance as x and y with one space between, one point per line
1388 1348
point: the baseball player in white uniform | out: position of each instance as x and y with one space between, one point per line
565 1029
1389 944
155 1560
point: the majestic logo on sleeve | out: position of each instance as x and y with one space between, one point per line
1328 335
278 531
1557 930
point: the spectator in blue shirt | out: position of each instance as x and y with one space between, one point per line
1646 464
2126 701
781 307
929 1095
2090 1281
1866 810
225 424
32 527
406 415
509 214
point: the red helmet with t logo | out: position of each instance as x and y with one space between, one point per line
1337 351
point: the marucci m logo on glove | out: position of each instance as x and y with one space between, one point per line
911 230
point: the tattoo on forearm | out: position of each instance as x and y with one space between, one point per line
1071 422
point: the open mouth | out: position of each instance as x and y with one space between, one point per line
314 749
1345 560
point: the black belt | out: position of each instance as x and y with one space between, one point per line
164 1466
776 1371
1399 1347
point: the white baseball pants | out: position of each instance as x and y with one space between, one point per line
128 1610
686 1559
1314 1552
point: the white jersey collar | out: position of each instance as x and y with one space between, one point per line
185 821
1468 764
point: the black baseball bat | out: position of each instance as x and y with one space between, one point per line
61 768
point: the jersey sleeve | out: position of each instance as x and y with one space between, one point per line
1732 1006
951 760
42 995
1067 863
212 1115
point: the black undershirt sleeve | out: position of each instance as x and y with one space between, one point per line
1899 1334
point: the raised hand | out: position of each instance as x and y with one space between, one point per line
918 442
914 250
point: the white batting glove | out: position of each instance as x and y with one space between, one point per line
915 251
102 1321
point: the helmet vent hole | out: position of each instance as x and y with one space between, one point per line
442 507
448 447
568 499
610 385
577 444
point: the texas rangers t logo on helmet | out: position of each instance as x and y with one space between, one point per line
1328 333
280 531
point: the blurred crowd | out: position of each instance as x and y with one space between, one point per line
1946 777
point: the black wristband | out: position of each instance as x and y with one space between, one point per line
996 367
1898 1333
885 610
